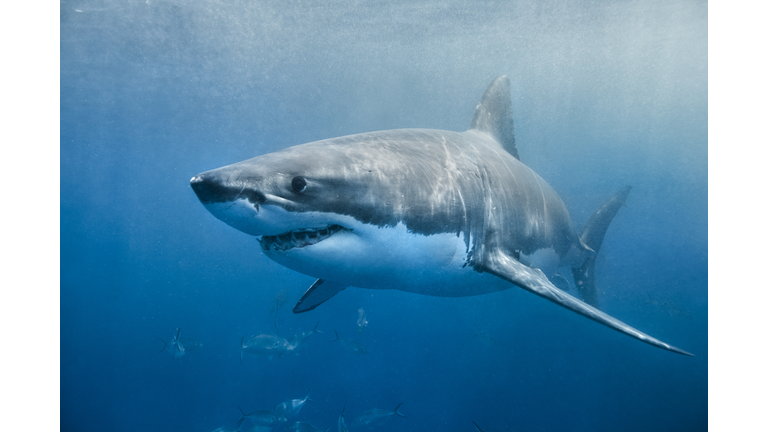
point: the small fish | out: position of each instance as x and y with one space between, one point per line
301 426
299 339
180 345
265 344
375 416
362 320
291 407
263 417
351 344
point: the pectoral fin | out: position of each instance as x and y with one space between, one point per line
533 280
318 293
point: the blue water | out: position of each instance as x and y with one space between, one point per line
153 92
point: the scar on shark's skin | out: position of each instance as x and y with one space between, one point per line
432 212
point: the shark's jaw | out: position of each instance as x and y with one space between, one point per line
299 238
278 230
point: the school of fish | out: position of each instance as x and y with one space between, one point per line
283 415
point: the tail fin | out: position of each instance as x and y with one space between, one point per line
397 410
242 417
337 337
165 344
591 235
315 330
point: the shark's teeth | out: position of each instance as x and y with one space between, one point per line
299 238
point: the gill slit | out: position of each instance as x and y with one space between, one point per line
234 200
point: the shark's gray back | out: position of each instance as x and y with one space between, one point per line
436 181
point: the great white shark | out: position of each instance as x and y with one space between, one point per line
424 211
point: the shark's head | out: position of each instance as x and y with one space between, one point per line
290 199
323 206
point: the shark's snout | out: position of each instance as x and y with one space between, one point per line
208 188
211 187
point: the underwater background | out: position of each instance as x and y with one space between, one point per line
604 94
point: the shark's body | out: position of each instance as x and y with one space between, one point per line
426 211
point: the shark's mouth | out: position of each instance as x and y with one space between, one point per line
298 238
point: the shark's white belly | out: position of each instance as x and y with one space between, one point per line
367 256
392 258
431 265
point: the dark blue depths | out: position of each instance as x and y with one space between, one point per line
153 93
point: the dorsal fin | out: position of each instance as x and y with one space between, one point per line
493 115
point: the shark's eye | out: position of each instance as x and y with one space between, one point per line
299 184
